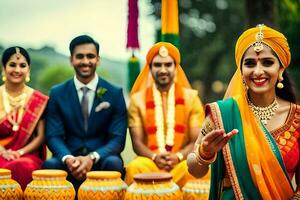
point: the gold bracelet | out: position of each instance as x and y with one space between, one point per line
179 156
200 159
205 154
21 152
153 156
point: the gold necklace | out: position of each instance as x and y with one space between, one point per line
14 108
264 114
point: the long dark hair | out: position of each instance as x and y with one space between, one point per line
288 92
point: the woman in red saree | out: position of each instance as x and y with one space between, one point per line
251 138
21 127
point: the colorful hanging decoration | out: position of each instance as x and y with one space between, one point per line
132 42
169 22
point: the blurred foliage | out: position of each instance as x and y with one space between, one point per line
52 76
289 21
209 30
37 66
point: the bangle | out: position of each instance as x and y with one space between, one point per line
205 154
179 156
21 152
153 156
200 159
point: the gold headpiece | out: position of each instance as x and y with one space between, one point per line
163 51
18 54
258 45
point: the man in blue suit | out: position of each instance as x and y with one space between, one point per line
86 118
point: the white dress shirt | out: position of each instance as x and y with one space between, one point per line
92 85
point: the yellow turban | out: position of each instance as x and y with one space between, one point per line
144 79
272 38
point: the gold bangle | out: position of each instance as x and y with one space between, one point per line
179 156
21 152
200 159
204 161
205 154
153 156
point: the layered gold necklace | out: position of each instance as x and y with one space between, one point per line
14 107
264 114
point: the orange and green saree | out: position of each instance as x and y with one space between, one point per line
251 159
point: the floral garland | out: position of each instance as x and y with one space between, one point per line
160 139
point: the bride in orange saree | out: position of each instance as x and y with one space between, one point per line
21 127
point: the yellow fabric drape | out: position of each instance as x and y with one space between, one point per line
265 169
169 17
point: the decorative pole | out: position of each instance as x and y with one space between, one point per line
169 22
132 42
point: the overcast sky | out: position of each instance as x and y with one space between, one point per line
35 23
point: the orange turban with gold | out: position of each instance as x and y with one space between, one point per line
144 79
253 131
272 38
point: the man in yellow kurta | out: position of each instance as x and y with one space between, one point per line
165 116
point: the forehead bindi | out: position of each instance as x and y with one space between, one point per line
16 57
264 54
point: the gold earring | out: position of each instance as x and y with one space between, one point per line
245 85
280 85
27 79
280 78
3 78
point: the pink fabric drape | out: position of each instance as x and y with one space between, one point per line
132 29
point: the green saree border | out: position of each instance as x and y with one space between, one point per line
226 115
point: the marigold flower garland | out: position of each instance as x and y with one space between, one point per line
160 139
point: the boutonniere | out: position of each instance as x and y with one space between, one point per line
104 104
100 92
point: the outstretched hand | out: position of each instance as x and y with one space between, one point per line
216 140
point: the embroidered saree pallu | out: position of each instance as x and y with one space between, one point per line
153 186
251 159
49 184
99 185
9 188
196 190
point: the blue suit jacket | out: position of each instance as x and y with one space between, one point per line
65 132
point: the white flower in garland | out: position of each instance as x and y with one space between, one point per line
159 118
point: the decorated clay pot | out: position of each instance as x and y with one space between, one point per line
153 186
99 185
9 188
196 190
49 184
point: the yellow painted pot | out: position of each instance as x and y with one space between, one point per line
99 185
49 184
153 186
196 190
9 188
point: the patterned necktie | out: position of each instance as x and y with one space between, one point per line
85 107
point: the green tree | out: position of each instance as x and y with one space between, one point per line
208 31
52 76
289 21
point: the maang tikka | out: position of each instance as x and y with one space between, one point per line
259 36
